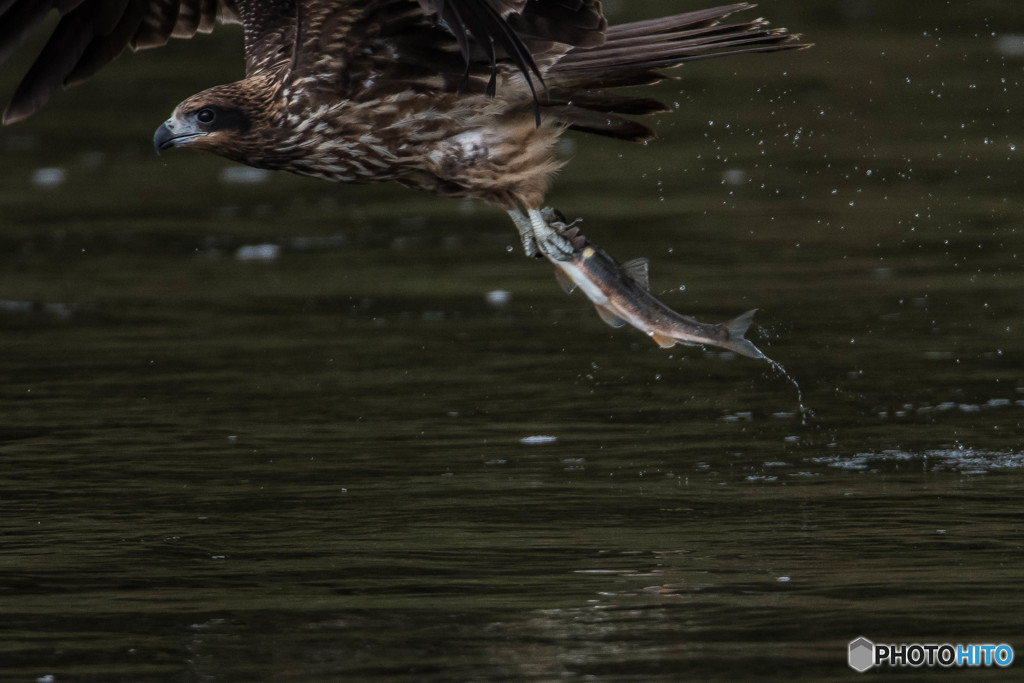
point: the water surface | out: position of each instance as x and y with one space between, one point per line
265 428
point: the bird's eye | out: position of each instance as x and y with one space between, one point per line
206 115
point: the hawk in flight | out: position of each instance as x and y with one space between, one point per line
462 98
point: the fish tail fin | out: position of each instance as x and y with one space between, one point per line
737 327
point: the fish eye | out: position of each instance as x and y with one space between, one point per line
206 115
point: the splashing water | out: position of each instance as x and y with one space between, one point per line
778 367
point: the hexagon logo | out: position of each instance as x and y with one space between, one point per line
862 654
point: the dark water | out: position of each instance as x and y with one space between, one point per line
310 465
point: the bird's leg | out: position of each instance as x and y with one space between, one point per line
525 228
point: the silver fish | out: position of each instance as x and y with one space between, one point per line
621 293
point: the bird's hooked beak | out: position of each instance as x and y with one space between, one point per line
172 133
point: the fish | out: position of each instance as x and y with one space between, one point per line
621 294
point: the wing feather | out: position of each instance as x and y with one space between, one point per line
91 33
106 46
483 23
67 44
346 47
19 17
157 26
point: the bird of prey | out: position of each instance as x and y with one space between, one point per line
462 98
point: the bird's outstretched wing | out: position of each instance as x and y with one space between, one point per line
316 36
91 33
365 48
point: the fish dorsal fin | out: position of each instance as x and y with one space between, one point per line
663 341
609 317
638 270
567 285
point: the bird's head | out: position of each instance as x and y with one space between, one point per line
226 120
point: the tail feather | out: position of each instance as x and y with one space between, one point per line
638 47
668 54
705 35
737 327
711 16
578 83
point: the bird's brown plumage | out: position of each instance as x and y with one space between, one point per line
456 97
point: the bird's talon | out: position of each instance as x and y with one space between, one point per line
556 247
